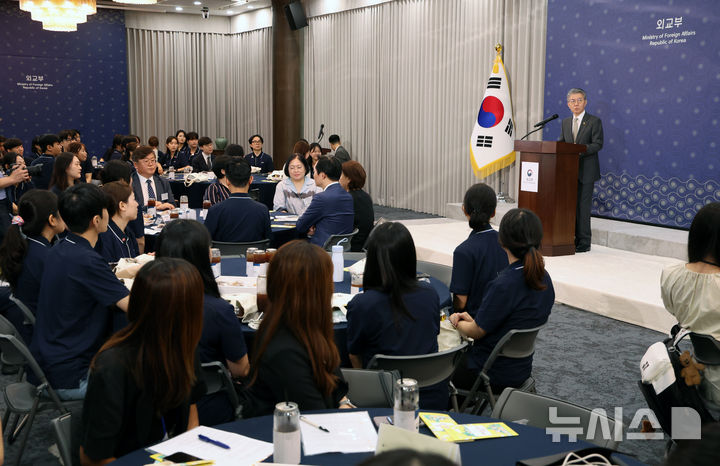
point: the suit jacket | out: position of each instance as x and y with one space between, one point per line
199 164
332 213
48 163
162 186
342 154
589 133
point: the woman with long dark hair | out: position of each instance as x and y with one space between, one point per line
397 314
66 172
520 297
295 357
145 379
174 157
222 339
115 152
23 251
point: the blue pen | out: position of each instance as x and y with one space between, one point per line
213 442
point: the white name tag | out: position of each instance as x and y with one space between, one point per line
164 197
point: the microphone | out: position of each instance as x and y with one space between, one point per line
322 126
546 121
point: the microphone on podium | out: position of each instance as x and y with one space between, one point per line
546 121
321 132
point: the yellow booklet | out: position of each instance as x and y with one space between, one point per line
445 428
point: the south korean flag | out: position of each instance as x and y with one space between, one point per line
492 141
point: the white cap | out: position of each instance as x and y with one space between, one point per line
337 248
656 368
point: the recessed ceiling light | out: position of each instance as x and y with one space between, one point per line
250 7
229 12
178 8
197 3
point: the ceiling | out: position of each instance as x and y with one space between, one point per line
216 7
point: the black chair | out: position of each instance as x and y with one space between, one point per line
340 240
370 388
427 369
239 249
218 379
706 349
439 271
62 429
517 343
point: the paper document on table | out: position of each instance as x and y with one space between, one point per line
349 433
243 450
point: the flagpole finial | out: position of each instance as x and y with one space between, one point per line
498 48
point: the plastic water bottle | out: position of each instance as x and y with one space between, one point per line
93 161
286 433
338 263
407 398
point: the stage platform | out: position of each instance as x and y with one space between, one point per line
612 281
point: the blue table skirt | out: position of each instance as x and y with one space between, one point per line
531 442
195 192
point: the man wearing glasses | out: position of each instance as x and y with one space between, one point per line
583 128
258 158
147 185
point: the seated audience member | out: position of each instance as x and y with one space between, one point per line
301 147
238 218
295 192
313 157
35 152
25 248
66 136
203 162
173 156
331 211
115 152
691 292
397 314
234 150
145 380
66 171
15 145
479 259
129 144
119 240
115 170
17 177
78 148
222 338
218 190
14 161
520 297
294 356
258 158
339 151
77 286
147 185
50 145
154 142
353 180
193 148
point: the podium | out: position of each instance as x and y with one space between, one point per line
549 173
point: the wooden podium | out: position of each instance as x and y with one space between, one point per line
556 197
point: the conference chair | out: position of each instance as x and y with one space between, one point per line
9 356
27 313
340 240
517 343
22 398
62 429
218 379
370 388
239 249
427 369
439 271
545 412
706 349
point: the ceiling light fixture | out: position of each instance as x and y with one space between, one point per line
59 15
137 2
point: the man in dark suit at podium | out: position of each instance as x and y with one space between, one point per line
583 128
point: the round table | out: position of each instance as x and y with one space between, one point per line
531 442
195 192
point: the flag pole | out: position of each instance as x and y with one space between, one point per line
501 196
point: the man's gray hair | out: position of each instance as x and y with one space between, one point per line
576 90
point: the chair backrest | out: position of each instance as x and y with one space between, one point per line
239 249
218 379
706 349
340 240
517 343
9 355
427 369
439 271
62 429
545 412
370 388
27 313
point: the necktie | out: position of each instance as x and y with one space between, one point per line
151 191
575 129
209 163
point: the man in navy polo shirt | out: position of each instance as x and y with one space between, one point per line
238 218
331 212
74 317
50 145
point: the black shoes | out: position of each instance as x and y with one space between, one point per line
582 249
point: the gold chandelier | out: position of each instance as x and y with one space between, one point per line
65 15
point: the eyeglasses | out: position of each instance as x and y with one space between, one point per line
576 101
255 141
148 161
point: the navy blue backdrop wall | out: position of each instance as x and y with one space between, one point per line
651 69
52 81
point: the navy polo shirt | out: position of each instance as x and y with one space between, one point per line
116 243
264 161
48 162
476 262
28 284
73 318
509 304
238 219
222 338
